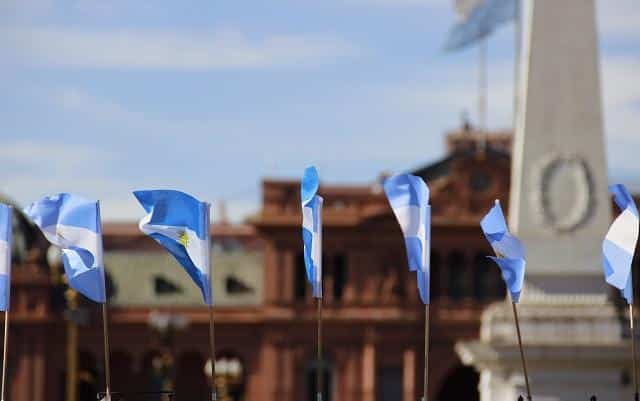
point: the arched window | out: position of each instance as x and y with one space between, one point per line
460 385
122 378
436 276
339 275
389 383
157 373
87 376
312 379
300 278
481 277
456 275
191 382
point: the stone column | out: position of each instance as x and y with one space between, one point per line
39 371
369 368
409 375
271 263
268 372
288 270
287 374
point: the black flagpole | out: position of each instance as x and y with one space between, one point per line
633 351
425 389
319 348
524 361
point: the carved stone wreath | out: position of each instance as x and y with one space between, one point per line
562 211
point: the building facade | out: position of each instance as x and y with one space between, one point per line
265 316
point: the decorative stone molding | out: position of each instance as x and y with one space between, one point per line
549 172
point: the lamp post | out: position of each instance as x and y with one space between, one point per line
166 326
71 298
228 379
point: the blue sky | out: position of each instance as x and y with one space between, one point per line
103 97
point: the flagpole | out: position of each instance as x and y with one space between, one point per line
482 92
524 362
516 68
4 352
425 388
212 344
319 355
107 359
633 351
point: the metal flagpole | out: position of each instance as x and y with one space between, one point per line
524 362
4 352
425 389
633 351
212 343
482 92
319 356
107 359
516 69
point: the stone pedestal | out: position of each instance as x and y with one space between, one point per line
573 345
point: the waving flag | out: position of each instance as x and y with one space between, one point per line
510 254
73 224
312 228
408 196
180 223
620 242
479 19
5 256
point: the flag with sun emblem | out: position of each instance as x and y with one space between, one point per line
510 255
180 223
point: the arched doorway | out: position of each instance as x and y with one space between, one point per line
87 376
312 379
156 374
460 385
191 383
122 377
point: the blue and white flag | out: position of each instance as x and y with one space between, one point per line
510 253
5 256
180 223
479 20
312 228
73 224
619 244
408 196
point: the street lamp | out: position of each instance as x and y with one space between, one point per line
54 258
166 325
229 377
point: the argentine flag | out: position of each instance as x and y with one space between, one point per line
620 242
5 256
73 224
408 196
312 228
510 253
180 223
479 19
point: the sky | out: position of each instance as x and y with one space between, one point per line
210 97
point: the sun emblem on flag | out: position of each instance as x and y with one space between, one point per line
184 239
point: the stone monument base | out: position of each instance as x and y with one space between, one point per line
575 346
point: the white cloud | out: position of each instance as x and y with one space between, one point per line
128 49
